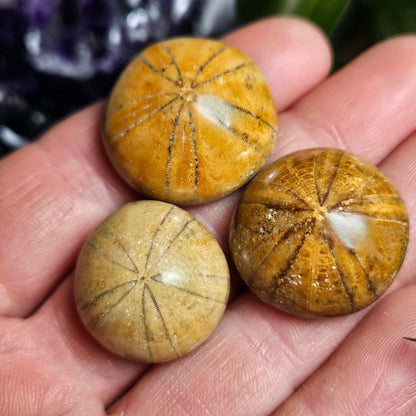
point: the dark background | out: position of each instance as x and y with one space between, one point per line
57 56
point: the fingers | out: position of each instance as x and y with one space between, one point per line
255 359
367 108
256 347
259 356
281 64
64 193
54 192
373 372
400 167
49 365
51 193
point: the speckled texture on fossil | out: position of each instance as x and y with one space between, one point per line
189 121
151 282
320 232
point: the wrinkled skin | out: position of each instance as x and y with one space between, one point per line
259 361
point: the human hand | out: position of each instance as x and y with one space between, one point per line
259 361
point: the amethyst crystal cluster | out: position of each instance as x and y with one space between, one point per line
57 56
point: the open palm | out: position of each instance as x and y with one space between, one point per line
259 361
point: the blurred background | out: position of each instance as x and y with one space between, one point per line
57 56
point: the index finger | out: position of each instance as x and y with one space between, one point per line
258 355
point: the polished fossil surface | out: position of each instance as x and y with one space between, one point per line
189 120
151 282
320 232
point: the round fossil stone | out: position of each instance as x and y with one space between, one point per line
189 120
319 232
151 282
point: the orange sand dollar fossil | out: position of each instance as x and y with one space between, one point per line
151 282
319 232
189 121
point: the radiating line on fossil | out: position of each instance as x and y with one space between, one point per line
321 198
195 152
298 180
204 65
167 49
145 323
115 239
315 181
278 207
295 229
403 223
170 148
199 275
182 289
248 112
351 201
342 276
98 250
112 307
142 119
285 188
293 256
106 292
318 197
156 234
372 217
162 319
371 180
185 225
367 275
240 136
213 276
334 178
159 72
143 98
221 74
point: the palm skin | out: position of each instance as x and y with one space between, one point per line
259 361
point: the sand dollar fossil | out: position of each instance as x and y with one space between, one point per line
151 282
319 232
189 120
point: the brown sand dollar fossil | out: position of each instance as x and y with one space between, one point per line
319 232
151 282
189 121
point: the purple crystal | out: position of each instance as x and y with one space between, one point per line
60 55
38 12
